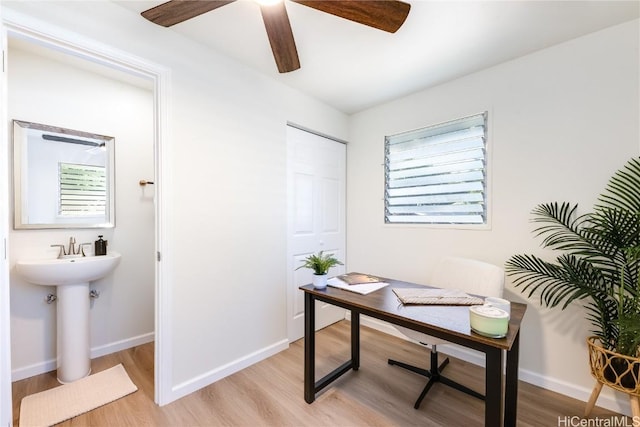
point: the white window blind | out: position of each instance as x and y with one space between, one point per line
83 189
437 174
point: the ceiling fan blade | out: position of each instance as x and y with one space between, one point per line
276 22
385 15
176 11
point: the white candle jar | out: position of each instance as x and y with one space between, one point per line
489 321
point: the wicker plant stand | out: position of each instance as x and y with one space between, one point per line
613 370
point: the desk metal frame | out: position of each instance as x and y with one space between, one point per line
379 305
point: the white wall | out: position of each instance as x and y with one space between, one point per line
226 202
46 91
562 120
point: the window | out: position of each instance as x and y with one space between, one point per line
437 174
82 189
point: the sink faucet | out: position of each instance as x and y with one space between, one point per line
62 252
72 248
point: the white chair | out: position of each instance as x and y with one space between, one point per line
470 276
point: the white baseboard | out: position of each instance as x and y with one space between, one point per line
51 364
122 345
195 384
32 370
608 399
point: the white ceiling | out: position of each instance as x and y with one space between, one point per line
353 67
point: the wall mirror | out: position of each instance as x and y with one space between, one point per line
63 178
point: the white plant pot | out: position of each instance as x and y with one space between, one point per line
320 281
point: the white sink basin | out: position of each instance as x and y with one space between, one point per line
71 276
67 271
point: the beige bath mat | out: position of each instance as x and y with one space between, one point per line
70 400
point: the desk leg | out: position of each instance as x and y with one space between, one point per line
309 347
511 384
493 385
355 340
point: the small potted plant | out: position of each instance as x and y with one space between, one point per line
320 263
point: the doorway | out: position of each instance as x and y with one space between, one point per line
316 218
105 62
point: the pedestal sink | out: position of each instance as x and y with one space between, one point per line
71 276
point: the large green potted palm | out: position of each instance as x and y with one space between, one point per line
598 265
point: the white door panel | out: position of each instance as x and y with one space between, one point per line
316 218
303 204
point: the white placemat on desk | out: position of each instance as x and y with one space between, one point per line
364 288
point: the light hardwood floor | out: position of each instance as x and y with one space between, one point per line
270 393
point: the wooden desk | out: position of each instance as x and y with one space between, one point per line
450 323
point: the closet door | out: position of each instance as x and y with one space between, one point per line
316 186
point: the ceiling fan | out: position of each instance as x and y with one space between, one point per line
385 15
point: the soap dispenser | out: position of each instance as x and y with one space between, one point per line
100 246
